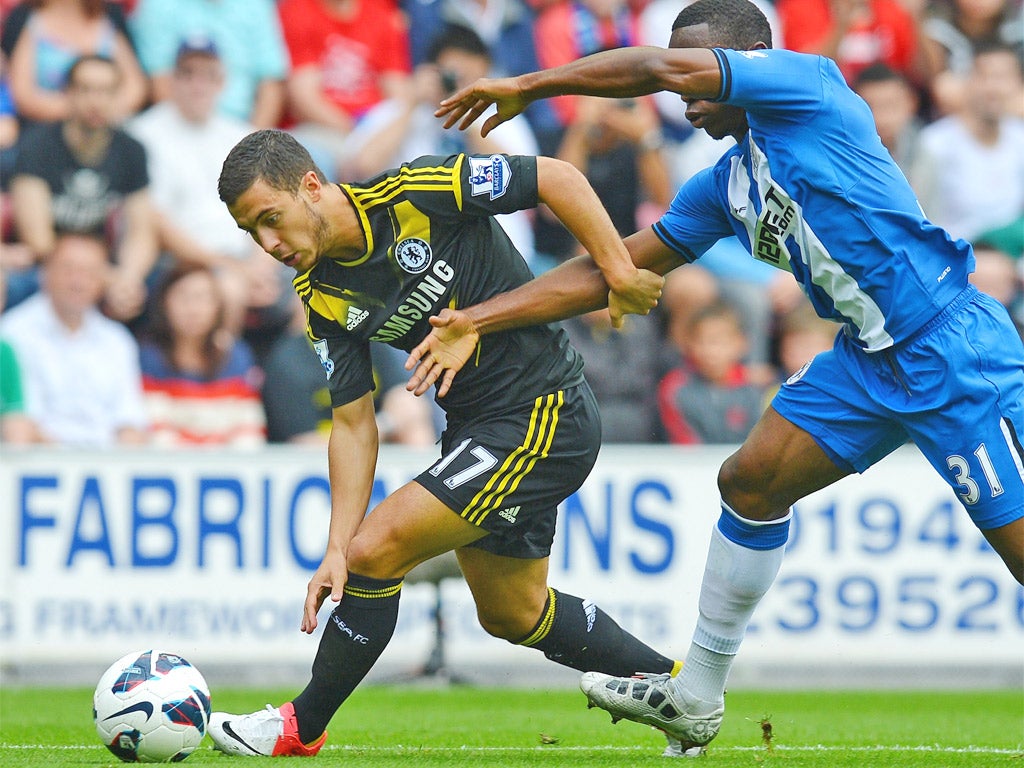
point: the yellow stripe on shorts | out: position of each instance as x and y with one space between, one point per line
539 436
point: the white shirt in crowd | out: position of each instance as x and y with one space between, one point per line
80 387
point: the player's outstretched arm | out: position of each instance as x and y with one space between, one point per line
570 289
621 73
467 104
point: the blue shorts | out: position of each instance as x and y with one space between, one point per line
955 388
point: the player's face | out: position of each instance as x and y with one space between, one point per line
284 224
718 120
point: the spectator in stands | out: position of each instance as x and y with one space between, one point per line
404 127
347 56
623 367
186 139
505 26
566 30
998 274
802 335
952 31
9 127
894 104
712 397
200 383
248 36
15 257
16 427
970 176
81 369
83 175
685 292
617 145
857 33
43 38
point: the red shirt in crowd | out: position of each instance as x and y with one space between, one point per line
351 53
886 34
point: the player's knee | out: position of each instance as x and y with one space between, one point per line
506 624
744 488
375 558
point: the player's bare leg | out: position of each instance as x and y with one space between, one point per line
778 464
408 527
514 602
1008 542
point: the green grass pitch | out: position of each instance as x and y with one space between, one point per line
385 727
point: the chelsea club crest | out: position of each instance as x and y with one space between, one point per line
413 255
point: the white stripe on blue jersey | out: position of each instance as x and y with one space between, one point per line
812 189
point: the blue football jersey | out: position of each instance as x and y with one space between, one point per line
812 190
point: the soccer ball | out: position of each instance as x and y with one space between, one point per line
151 707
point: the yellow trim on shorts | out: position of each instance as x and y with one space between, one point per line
539 437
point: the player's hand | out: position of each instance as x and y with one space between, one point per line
636 296
442 353
329 579
468 103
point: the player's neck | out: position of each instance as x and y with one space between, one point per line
346 241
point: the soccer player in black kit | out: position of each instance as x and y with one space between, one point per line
374 261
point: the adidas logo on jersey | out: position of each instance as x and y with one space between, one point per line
509 514
355 317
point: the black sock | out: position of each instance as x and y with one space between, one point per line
580 635
355 636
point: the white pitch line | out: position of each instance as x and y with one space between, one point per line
399 748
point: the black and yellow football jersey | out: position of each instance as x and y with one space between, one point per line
432 242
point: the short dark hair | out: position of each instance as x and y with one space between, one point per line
878 73
271 155
459 38
90 58
737 24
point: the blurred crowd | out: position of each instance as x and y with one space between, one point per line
135 312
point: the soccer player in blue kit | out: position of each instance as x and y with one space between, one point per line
921 355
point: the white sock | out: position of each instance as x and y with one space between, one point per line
743 560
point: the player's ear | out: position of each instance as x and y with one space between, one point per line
312 185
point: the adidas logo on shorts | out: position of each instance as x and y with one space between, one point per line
509 514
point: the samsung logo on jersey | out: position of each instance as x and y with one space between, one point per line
422 302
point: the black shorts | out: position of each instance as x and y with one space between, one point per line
508 473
